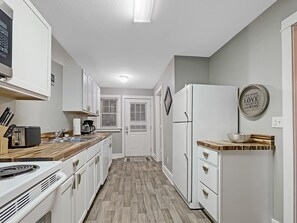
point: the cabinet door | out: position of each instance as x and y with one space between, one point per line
81 194
64 204
91 181
31 50
98 171
85 105
90 95
98 100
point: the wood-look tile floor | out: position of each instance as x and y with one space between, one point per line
136 190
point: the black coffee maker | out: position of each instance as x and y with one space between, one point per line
87 127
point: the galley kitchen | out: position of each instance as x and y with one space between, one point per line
147 111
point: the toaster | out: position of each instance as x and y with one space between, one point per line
25 136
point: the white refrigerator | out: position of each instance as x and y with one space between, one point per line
200 112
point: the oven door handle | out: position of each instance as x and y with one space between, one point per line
28 208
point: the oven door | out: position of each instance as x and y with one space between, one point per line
41 209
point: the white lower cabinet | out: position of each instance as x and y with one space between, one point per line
107 156
236 186
98 173
91 181
64 206
80 194
75 196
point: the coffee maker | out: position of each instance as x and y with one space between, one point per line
87 127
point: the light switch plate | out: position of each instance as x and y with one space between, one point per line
277 122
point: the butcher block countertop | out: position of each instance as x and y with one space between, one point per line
256 142
52 151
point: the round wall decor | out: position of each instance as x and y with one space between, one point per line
253 100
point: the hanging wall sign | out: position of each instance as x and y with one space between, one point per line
253 100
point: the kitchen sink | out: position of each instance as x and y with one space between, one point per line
70 139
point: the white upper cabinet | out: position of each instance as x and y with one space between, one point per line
31 54
79 93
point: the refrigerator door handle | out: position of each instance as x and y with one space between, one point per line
186 156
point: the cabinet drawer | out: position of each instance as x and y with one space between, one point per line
208 200
72 164
208 155
92 151
208 175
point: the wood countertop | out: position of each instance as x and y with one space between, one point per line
52 151
256 142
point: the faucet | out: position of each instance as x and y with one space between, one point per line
58 134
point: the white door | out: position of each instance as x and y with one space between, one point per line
137 127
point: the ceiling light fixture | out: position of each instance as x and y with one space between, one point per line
143 10
123 78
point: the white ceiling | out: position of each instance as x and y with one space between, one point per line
101 36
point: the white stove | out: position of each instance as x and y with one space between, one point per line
21 192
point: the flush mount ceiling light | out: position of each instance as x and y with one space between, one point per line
143 10
123 78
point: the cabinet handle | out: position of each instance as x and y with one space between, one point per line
75 163
205 168
78 179
96 159
205 192
205 154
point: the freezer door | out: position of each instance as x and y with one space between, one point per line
182 105
182 159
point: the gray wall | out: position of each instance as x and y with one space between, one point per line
254 57
181 70
46 114
167 80
190 70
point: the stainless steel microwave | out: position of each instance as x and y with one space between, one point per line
6 16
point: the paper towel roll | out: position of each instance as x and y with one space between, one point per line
76 126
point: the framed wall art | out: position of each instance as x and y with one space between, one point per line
253 100
167 100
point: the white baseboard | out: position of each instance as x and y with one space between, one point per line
168 174
154 157
117 155
274 221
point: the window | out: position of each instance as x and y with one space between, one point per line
110 112
138 117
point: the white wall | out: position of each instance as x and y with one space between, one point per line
254 57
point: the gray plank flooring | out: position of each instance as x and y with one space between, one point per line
136 190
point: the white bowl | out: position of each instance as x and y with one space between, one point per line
239 137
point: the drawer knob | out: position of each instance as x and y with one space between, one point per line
205 192
205 168
205 154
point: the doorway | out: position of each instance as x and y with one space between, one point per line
137 127
289 99
294 47
158 151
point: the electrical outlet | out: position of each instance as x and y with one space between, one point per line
277 122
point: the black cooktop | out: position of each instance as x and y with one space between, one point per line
15 170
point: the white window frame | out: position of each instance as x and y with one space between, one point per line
119 110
